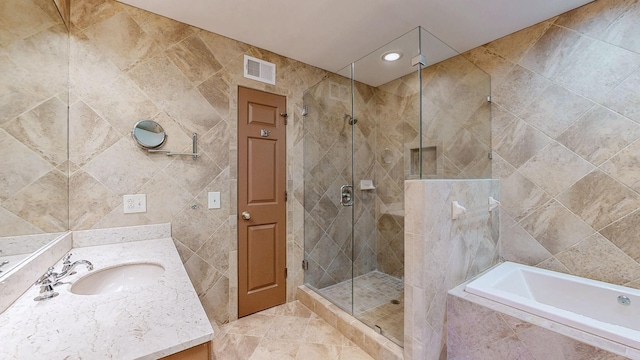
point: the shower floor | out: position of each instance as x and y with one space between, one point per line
373 294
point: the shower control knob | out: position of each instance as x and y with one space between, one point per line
246 215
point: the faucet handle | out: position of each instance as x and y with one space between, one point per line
47 278
65 259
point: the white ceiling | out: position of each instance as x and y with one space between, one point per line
330 34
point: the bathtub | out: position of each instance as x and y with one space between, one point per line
606 310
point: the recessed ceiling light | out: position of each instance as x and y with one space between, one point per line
391 56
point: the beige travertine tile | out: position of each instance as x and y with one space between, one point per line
545 344
89 68
624 166
164 31
13 225
235 347
193 227
203 276
552 53
123 167
599 134
594 18
89 201
555 227
20 165
287 328
224 49
43 203
116 218
122 104
495 65
45 56
623 31
519 142
599 199
122 41
193 175
623 233
598 68
216 90
320 351
89 135
487 327
508 348
624 98
518 246
597 258
320 332
216 301
162 205
519 89
514 46
215 250
193 58
172 92
273 349
44 130
89 12
555 110
555 168
520 196
500 119
20 19
22 90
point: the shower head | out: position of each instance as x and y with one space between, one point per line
352 120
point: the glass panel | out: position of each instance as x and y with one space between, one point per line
387 106
34 113
456 115
416 117
327 168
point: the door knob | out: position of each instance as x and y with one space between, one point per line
246 215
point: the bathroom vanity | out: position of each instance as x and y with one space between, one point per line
108 315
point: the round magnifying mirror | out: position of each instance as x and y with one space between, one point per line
148 134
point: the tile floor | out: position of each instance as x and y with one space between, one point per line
373 293
289 331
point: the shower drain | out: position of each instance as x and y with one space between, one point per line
395 302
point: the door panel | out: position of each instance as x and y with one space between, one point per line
262 158
261 198
261 242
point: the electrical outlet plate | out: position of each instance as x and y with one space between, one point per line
134 203
214 200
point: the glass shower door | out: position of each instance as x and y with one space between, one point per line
328 190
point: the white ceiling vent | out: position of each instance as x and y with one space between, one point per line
259 70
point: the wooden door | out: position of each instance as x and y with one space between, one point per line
261 200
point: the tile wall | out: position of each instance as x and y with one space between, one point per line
34 53
128 64
566 140
443 253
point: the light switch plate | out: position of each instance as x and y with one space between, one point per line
134 203
214 200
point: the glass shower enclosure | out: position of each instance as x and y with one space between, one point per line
367 129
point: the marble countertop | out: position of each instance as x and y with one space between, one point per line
155 320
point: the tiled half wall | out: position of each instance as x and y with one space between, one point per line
442 253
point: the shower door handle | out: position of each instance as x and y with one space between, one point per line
346 197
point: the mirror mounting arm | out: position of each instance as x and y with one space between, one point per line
170 153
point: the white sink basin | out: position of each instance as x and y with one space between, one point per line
117 278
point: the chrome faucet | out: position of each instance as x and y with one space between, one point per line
67 266
50 278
